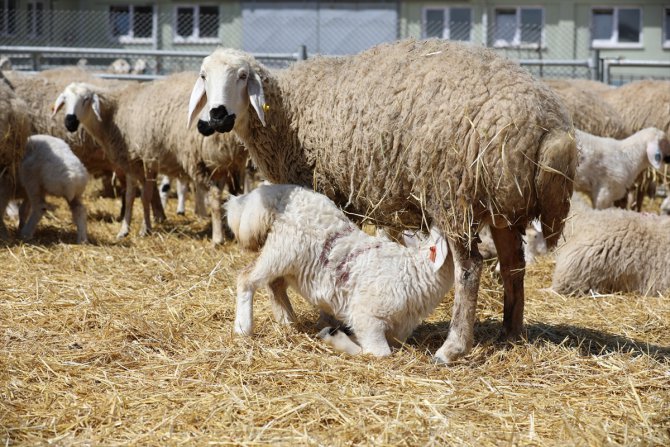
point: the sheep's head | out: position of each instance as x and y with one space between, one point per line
81 104
433 246
658 148
227 85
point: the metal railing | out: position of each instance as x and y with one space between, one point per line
609 63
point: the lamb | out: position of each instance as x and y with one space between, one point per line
39 90
376 287
608 167
615 250
407 134
156 143
15 127
50 167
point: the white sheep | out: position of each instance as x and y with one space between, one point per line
608 168
376 287
409 132
148 140
50 167
614 250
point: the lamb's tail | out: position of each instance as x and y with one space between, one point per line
250 217
557 160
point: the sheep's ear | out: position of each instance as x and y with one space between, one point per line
537 225
58 104
95 105
256 96
439 251
410 239
197 101
654 154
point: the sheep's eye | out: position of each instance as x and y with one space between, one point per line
202 76
243 76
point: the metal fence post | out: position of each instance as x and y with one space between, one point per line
302 52
595 73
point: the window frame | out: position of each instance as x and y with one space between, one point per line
195 37
32 21
447 18
516 42
130 38
665 37
4 31
612 42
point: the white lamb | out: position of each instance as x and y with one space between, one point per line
376 287
608 168
50 167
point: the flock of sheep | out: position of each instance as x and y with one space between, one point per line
432 140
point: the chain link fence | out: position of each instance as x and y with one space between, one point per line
142 40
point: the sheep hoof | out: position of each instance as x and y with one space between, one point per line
327 332
122 234
181 213
448 354
144 232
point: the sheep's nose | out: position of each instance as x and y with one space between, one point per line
218 113
71 122
204 128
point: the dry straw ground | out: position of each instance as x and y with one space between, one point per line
130 343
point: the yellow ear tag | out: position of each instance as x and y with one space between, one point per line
266 107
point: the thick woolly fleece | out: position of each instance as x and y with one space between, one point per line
379 288
614 250
589 111
417 130
642 104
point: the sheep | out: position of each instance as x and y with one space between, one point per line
50 167
39 91
409 133
376 287
534 244
15 127
182 191
608 167
145 142
589 111
614 250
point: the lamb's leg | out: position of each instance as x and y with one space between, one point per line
467 273
255 275
147 196
79 218
215 210
37 210
281 305
182 191
128 214
509 245
24 212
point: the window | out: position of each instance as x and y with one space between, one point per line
616 27
518 27
666 29
447 23
35 18
196 23
7 17
131 23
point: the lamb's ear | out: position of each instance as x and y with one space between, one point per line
439 251
654 154
197 101
58 104
537 225
410 239
95 105
256 95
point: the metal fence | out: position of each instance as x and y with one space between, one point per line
153 43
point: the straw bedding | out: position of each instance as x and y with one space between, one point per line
130 343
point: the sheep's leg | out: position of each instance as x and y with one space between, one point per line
509 245
281 305
371 335
147 197
182 191
199 198
603 200
215 210
128 203
467 273
157 203
4 201
79 218
339 341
